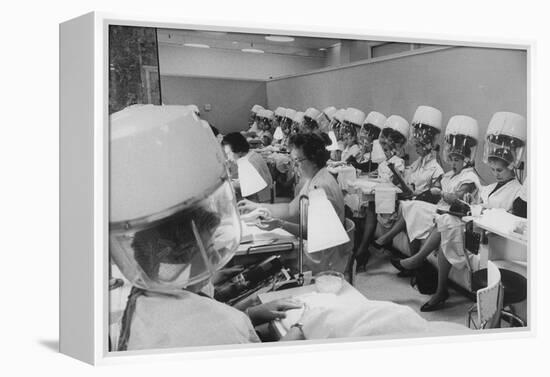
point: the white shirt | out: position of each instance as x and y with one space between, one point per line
423 172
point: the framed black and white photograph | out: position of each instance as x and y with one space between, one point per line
241 188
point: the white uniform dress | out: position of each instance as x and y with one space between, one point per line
420 216
335 258
423 172
452 228
185 320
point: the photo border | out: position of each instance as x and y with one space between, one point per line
102 21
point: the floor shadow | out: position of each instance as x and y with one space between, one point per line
52 345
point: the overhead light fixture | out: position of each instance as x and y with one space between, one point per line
279 38
198 45
322 49
253 50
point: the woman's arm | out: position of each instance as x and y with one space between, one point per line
277 210
365 167
291 227
275 223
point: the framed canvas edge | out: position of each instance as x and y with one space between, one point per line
101 215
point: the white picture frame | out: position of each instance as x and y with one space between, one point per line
84 201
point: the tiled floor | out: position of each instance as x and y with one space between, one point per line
380 282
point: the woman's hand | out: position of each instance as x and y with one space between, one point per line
246 206
272 310
270 224
256 215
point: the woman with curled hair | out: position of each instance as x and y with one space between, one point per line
310 156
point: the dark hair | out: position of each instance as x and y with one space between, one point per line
396 137
372 131
237 142
313 146
386 132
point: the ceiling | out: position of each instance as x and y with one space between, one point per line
301 46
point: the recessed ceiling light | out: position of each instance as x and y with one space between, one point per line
253 50
322 49
235 42
279 38
198 45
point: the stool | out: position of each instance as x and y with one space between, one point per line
514 290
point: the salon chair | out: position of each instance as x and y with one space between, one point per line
514 285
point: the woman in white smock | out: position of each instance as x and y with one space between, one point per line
425 173
418 217
504 143
392 139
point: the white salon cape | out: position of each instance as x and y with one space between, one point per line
186 320
423 173
334 258
420 216
452 228
340 316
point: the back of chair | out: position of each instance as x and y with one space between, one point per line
489 300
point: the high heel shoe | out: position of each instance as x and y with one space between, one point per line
436 305
381 245
403 272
